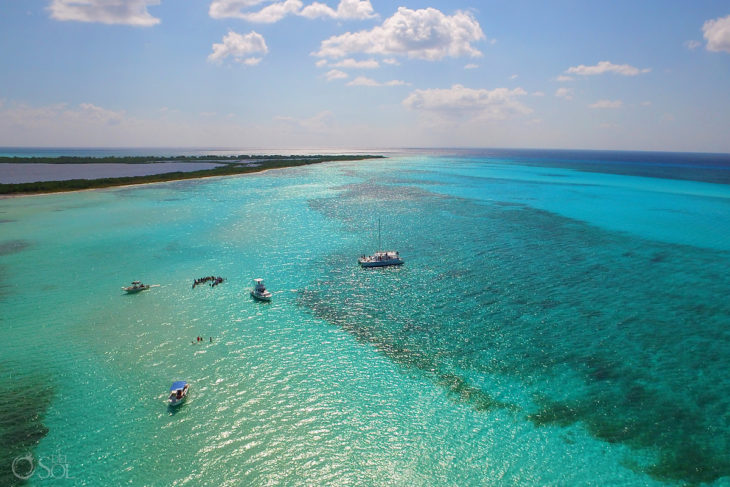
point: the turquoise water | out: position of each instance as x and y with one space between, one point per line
550 327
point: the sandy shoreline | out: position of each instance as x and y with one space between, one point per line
251 170
213 176
37 172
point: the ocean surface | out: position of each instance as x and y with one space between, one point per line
562 318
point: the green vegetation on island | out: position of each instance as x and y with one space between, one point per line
156 159
232 165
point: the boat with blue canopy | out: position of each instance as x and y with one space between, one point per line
178 392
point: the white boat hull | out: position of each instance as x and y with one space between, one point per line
134 290
261 297
380 263
175 401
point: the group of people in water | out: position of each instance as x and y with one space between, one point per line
214 283
201 339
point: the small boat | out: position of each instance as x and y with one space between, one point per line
259 291
381 258
136 287
178 392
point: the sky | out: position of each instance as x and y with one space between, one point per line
359 74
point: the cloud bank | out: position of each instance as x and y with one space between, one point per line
128 12
277 10
346 10
365 81
240 48
421 34
606 67
459 102
717 34
334 74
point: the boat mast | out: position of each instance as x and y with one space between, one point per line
379 235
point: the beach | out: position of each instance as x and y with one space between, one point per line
44 175
12 173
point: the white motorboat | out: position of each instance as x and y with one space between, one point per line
381 258
178 392
136 287
259 291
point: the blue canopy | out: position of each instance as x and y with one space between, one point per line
178 385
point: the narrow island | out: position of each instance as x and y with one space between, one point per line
226 166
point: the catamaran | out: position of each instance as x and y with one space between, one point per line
381 258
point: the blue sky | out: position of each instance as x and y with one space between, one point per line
299 74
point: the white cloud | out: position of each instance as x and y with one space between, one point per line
129 12
365 81
538 93
274 12
422 34
347 9
353 64
474 104
717 34
222 9
335 74
514 76
692 45
564 78
239 47
645 103
392 61
355 9
471 66
277 10
566 93
606 67
96 114
607 104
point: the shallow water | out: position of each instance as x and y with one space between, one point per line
550 327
